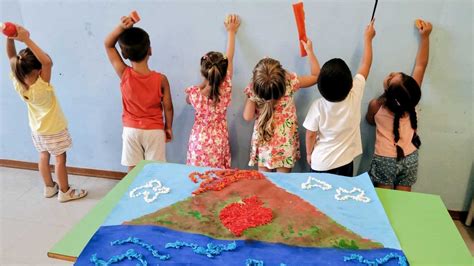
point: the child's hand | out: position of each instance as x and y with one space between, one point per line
169 134
308 158
308 46
22 34
232 23
425 28
126 22
369 33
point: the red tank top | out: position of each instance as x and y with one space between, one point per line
142 100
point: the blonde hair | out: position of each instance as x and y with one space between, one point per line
269 85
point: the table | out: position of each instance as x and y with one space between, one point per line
422 223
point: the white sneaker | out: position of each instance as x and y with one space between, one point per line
71 194
49 192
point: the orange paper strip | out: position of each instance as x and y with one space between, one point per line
298 9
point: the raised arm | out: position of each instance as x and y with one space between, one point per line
310 80
423 52
366 61
111 40
232 23
167 108
11 50
46 64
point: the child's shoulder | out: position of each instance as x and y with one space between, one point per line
192 89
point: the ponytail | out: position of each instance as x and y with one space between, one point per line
264 121
214 76
24 63
18 72
213 69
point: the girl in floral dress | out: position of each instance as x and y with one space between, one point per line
209 140
275 140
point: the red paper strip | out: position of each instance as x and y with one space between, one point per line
298 9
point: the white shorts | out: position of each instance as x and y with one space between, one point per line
56 144
142 144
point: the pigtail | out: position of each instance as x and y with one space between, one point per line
416 141
396 133
401 98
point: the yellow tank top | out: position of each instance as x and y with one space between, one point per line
44 112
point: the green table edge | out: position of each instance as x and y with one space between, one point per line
422 244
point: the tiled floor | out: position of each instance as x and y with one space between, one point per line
30 224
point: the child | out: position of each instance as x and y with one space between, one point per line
209 140
333 122
31 78
275 141
145 96
395 163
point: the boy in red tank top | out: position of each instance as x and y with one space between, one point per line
145 96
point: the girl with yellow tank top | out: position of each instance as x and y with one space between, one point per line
31 75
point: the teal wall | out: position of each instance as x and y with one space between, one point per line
72 32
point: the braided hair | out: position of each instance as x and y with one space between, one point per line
269 85
401 98
213 69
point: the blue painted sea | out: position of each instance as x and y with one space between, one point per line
268 253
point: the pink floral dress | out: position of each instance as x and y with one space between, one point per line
283 149
209 140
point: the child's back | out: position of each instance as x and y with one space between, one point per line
142 99
145 96
337 124
333 137
209 140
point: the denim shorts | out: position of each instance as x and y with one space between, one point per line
390 172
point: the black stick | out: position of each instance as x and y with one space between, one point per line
373 12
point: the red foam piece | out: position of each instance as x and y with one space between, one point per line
9 29
237 217
298 9
135 17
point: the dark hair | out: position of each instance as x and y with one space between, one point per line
269 84
335 80
401 98
24 63
134 43
213 69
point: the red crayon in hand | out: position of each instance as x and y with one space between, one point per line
298 9
135 17
9 29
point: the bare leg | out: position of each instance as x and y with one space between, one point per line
283 170
404 188
130 168
264 169
61 172
384 186
44 169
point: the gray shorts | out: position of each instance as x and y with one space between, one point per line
390 172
